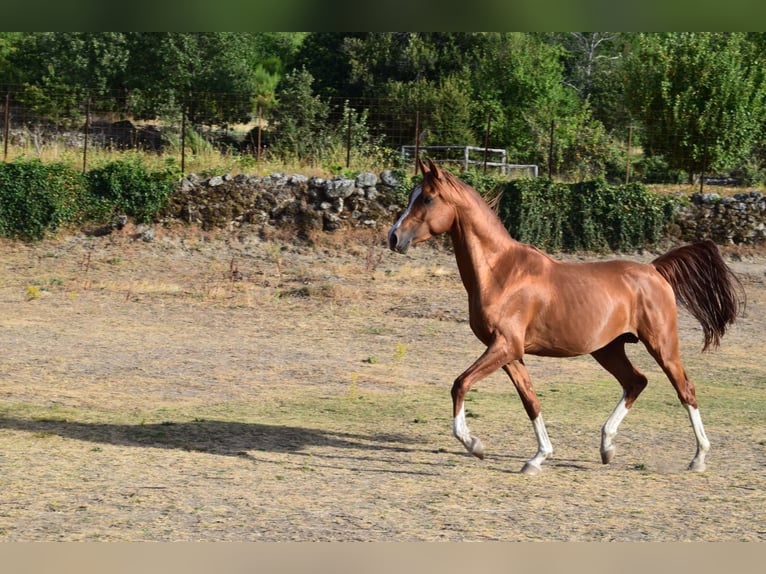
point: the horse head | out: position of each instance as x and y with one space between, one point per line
429 211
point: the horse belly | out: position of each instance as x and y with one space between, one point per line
570 330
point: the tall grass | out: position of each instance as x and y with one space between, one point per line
206 160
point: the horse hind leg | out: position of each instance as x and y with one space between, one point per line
669 359
613 359
703 444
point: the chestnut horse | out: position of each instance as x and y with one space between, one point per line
520 301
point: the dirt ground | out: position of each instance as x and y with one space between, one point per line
214 387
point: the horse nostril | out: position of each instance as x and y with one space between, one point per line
392 241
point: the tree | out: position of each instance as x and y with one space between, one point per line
592 67
376 58
8 44
519 81
217 67
299 122
445 109
58 70
324 56
699 96
269 56
400 74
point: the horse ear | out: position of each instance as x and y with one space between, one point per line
423 169
437 173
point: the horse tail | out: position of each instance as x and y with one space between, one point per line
705 286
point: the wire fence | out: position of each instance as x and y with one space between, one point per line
351 127
94 124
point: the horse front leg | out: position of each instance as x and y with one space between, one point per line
518 373
491 360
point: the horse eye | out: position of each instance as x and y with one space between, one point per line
427 200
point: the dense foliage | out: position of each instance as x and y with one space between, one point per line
586 216
566 101
592 216
38 198
127 187
585 107
700 98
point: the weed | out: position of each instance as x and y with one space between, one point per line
307 464
274 254
234 273
354 384
372 259
401 351
50 418
33 292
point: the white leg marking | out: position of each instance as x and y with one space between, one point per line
460 430
609 430
703 444
544 447
415 194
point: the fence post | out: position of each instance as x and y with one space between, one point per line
258 149
486 143
87 129
417 140
704 163
348 140
627 162
550 152
183 137
6 123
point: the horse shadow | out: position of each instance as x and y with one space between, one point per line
241 439
224 438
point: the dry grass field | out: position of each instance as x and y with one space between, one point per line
217 387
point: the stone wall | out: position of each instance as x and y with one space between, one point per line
739 219
369 200
280 201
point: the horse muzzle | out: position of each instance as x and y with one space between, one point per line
396 242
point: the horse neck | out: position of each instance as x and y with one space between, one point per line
480 241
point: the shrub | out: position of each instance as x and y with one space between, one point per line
654 169
591 216
36 198
126 186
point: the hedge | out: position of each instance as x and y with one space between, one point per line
587 216
38 198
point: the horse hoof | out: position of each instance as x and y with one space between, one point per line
476 448
697 466
530 469
607 455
